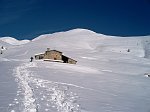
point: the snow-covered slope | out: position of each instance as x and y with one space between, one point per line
13 41
2 43
82 39
108 77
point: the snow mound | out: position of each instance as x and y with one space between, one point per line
13 41
41 37
71 33
80 30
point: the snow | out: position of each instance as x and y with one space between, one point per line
23 79
2 43
13 41
106 78
76 68
51 60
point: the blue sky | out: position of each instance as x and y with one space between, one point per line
26 19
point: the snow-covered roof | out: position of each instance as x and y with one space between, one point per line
56 51
53 60
39 54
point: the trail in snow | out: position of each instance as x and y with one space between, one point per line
26 100
38 95
56 95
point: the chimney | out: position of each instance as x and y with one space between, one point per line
48 49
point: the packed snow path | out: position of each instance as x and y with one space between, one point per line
38 95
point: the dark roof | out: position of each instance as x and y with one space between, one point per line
68 57
65 56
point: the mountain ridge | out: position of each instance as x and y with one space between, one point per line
13 41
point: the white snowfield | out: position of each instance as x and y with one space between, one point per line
13 41
111 74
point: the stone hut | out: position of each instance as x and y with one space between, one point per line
54 55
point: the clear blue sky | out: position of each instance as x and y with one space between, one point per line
26 19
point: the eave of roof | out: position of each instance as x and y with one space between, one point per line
40 54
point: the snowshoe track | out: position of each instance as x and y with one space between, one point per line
38 95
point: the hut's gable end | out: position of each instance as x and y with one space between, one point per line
39 56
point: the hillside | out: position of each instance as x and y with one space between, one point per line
108 77
13 41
